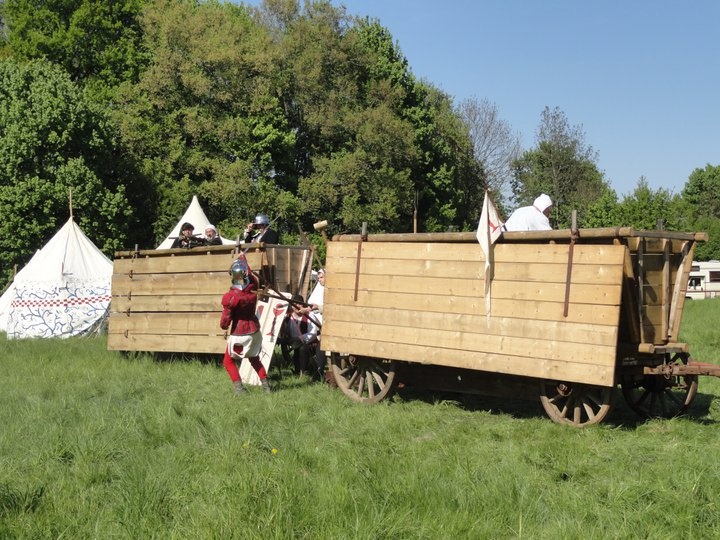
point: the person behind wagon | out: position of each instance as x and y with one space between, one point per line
531 218
259 231
245 339
186 239
303 333
212 238
314 309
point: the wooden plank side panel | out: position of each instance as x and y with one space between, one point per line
202 323
471 252
419 304
166 343
427 321
170 301
516 346
504 271
166 303
601 374
597 294
549 311
216 283
190 262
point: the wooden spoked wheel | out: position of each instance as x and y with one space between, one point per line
363 379
657 396
576 404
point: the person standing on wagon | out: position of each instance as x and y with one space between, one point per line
259 231
531 218
212 238
186 239
245 339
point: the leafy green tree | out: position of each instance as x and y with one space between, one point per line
710 250
52 142
374 135
205 117
702 190
602 212
354 151
702 193
305 114
646 208
561 165
98 42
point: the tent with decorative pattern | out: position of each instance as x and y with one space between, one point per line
63 291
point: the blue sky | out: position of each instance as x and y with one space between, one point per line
642 77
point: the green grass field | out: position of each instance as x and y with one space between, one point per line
94 444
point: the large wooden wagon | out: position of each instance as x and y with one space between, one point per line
572 316
168 300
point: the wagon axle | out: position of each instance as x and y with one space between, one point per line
693 368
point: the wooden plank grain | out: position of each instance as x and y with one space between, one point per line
448 270
171 284
571 332
202 323
516 346
607 295
167 343
190 262
503 253
602 374
531 309
166 303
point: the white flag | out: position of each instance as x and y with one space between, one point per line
489 230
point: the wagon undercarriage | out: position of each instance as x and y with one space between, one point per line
661 392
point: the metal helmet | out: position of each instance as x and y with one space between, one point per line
240 272
261 219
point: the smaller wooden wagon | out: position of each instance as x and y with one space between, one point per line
572 317
168 300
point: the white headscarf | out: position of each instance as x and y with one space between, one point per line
543 202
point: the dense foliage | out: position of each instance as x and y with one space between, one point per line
53 143
299 110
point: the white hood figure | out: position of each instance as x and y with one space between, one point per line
531 218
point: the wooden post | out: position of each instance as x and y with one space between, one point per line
363 237
415 213
640 286
571 249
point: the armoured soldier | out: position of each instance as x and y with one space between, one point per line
245 340
259 231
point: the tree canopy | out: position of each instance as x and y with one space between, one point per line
53 141
561 165
97 42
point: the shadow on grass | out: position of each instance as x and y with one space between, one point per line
514 407
621 416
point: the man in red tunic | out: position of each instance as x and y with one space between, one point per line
245 339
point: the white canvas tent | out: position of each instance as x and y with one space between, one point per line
64 290
195 215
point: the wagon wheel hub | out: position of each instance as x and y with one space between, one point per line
660 396
363 379
576 404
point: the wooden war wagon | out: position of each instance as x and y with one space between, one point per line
572 317
168 300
